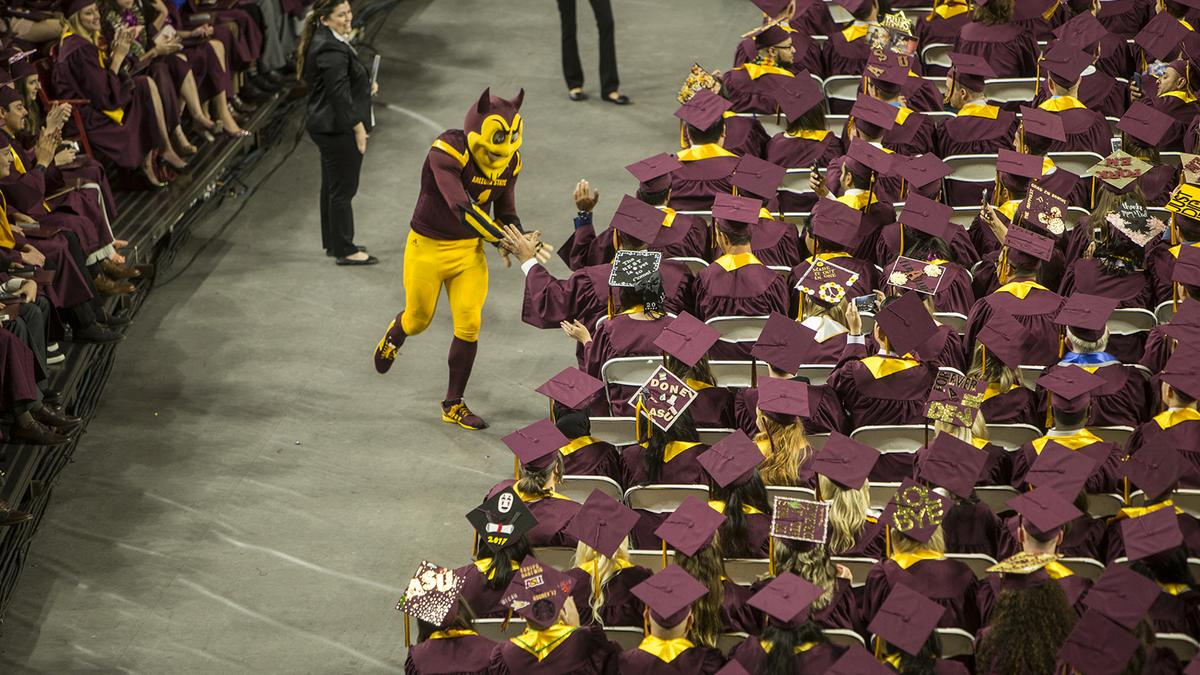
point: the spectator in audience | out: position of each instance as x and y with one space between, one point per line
736 490
904 632
781 438
1005 401
977 127
125 118
604 576
584 455
847 50
1007 47
842 469
790 642
541 470
707 165
1179 424
738 283
1030 623
670 596
837 605
1084 129
452 643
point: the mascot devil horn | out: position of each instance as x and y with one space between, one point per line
493 128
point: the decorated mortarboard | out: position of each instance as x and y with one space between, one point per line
691 526
845 461
786 598
836 222
1187 266
926 215
703 109
1189 167
1086 315
906 323
571 387
698 80
1060 469
826 282
1160 37
1119 169
637 219
757 176
1043 123
1023 563
1030 243
1182 371
1154 469
1122 595
797 95
687 338
1082 32
1150 534
1044 509
872 157
735 213
955 399
654 173
800 519
8 95
731 460
1043 209
970 70
780 342
669 594
1018 163
629 268
1070 388
501 519
1065 63
536 445
537 592
1005 337
886 70
432 594
1097 646
602 523
911 274
784 398
1146 124
906 619
1185 201
856 660
952 464
917 511
663 398
921 171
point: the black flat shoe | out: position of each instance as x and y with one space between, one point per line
329 252
577 95
370 260
619 99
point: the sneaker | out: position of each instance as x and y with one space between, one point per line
457 412
389 346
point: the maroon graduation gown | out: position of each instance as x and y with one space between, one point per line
972 527
586 651
1158 183
598 458
828 415
553 514
754 543
698 660
1073 586
1009 50
1183 435
1105 476
683 468
1183 112
621 607
694 186
79 75
949 583
945 349
962 249
820 658
1086 276
78 210
18 371
1115 539
943 28
1015 406
713 408
749 290
913 137
1158 349
466 655
841 612
744 136
898 398
748 95
843 56
687 237
812 18
1083 538
1180 613
736 615
1160 262
69 287
794 152
1036 311
775 243
1087 131
886 188
620 336
1125 18
483 601
971 134
1123 400
996 471
244 41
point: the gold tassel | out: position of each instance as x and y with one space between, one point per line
504 624
1002 271
664 543
771 554
901 252
407 637
516 469
683 142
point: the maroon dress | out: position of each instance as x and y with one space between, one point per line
698 660
1123 400
585 295
621 607
463 655
685 237
79 74
553 514
896 398
694 186
818 659
585 651
1009 50
1036 311
822 401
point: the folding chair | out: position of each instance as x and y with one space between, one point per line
881 494
618 431
796 180
953 319
974 173
629 637
663 498
1083 567
774 491
978 562
964 215
817 441
951 369
1004 90
842 91
632 371
1116 435
1129 320
938 81
560 557
893 437
727 641
651 560
579 487
937 55
738 328
713 436
859 568
835 123
1194 566
1077 163
1184 647
1104 504
46 92
746 571
996 496
1171 158
1187 499
694 265
737 373
817 373
1012 436
955 642
493 629
1165 311
843 637
1029 376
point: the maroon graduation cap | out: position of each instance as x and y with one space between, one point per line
955 399
906 619
1122 595
663 398
1005 337
1043 123
1086 315
1152 533
1065 63
602 523
911 274
731 460
654 173
501 519
537 444
1044 510
906 323
1160 37
637 219
1044 210
703 109
1070 388
783 398
786 598
691 526
952 464
797 95
757 176
835 222
800 519
1082 32
687 338
1061 470
669 594
571 387
1096 645
925 215
826 282
916 511
845 461
780 343
1146 124
970 70
537 592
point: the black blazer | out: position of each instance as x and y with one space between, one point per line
339 86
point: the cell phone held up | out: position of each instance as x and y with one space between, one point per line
866 304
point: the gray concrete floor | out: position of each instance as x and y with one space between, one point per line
252 496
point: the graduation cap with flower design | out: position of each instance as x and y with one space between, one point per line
916 275
698 79
1044 210
1134 221
826 282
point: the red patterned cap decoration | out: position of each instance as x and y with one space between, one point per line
432 594
1120 169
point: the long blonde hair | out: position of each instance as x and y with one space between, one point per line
902 543
847 513
708 568
789 450
605 569
961 433
996 372
810 562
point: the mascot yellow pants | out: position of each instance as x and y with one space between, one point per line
459 265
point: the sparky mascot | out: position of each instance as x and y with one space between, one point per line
468 173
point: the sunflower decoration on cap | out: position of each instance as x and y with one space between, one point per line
698 79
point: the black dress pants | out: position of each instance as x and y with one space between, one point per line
340 165
572 69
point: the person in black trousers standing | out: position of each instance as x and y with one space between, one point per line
339 117
572 70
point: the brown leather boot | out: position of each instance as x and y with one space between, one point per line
32 431
119 272
108 286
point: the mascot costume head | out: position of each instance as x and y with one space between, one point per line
494 129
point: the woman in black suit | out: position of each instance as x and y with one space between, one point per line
339 117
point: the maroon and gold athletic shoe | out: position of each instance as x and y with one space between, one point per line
389 346
457 412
